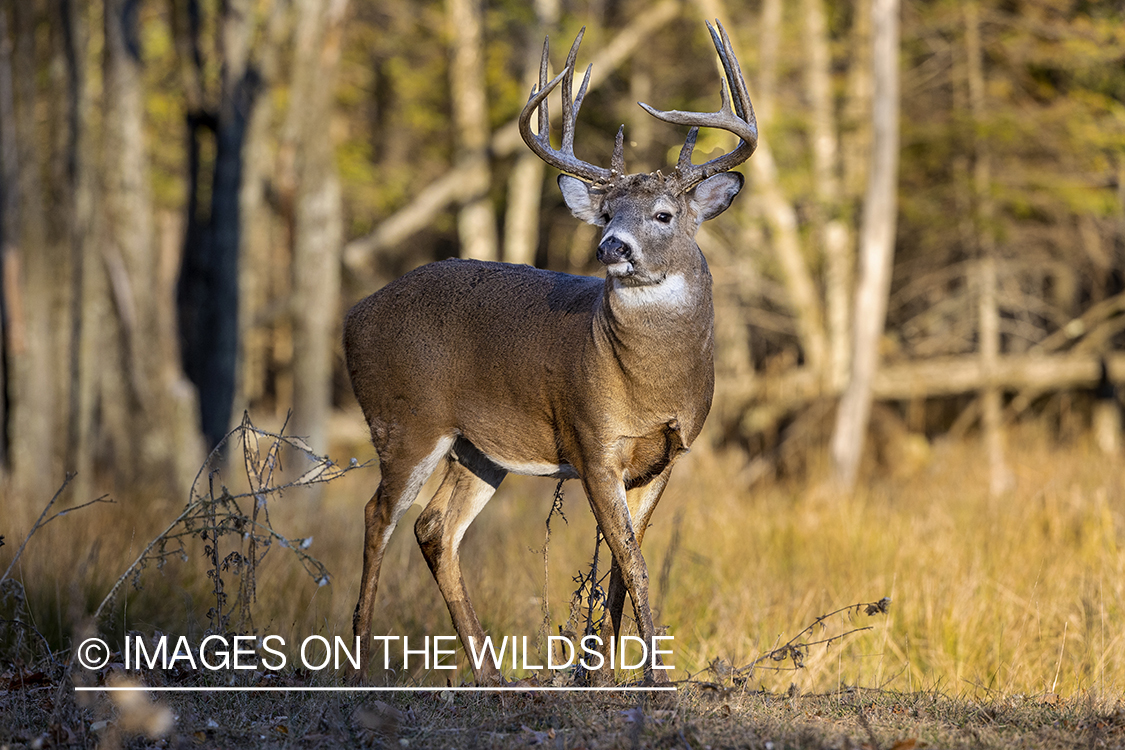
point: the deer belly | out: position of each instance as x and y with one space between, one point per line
535 468
518 446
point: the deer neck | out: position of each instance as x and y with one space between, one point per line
643 326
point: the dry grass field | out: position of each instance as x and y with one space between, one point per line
1005 625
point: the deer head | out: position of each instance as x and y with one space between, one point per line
642 214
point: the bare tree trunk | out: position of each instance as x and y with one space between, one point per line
1000 477
131 260
525 185
9 290
639 124
877 238
781 216
257 251
856 125
476 222
208 295
318 230
832 233
80 203
37 382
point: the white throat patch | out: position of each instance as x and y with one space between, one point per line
672 292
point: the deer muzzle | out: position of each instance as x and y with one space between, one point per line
613 251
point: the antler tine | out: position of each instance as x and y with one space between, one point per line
569 115
570 112
617 164
562 158
683 165
544 120
733 73
736 115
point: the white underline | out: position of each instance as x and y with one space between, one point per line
280 689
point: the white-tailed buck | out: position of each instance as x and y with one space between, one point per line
493 368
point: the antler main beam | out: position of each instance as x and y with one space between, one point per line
563 158
736 116
739 120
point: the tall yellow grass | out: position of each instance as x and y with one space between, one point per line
1020 594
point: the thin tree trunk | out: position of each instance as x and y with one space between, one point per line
877 249
781 216
257 258
35 389
856 126
1000 477
80 203
525 185
640 124
131 260
318 229
9 177
476 222
208 295
766 95
832 233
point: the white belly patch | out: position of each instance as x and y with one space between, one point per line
535 468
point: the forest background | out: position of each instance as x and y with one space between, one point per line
194 191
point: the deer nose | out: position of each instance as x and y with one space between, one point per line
613 250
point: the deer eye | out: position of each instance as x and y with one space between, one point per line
605 217
663 217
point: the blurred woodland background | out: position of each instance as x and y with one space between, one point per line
194 191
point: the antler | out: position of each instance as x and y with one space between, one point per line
740 120
563 158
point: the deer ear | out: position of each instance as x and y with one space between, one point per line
714 195
581 199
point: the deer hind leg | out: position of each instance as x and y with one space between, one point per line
403 474
469 483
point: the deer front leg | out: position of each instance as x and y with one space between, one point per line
642 501
606 492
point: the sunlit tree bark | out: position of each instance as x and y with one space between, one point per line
35 297
830 233
260 247
780 214
877 237
476 221
9 176
1000 476
318 227
525 185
